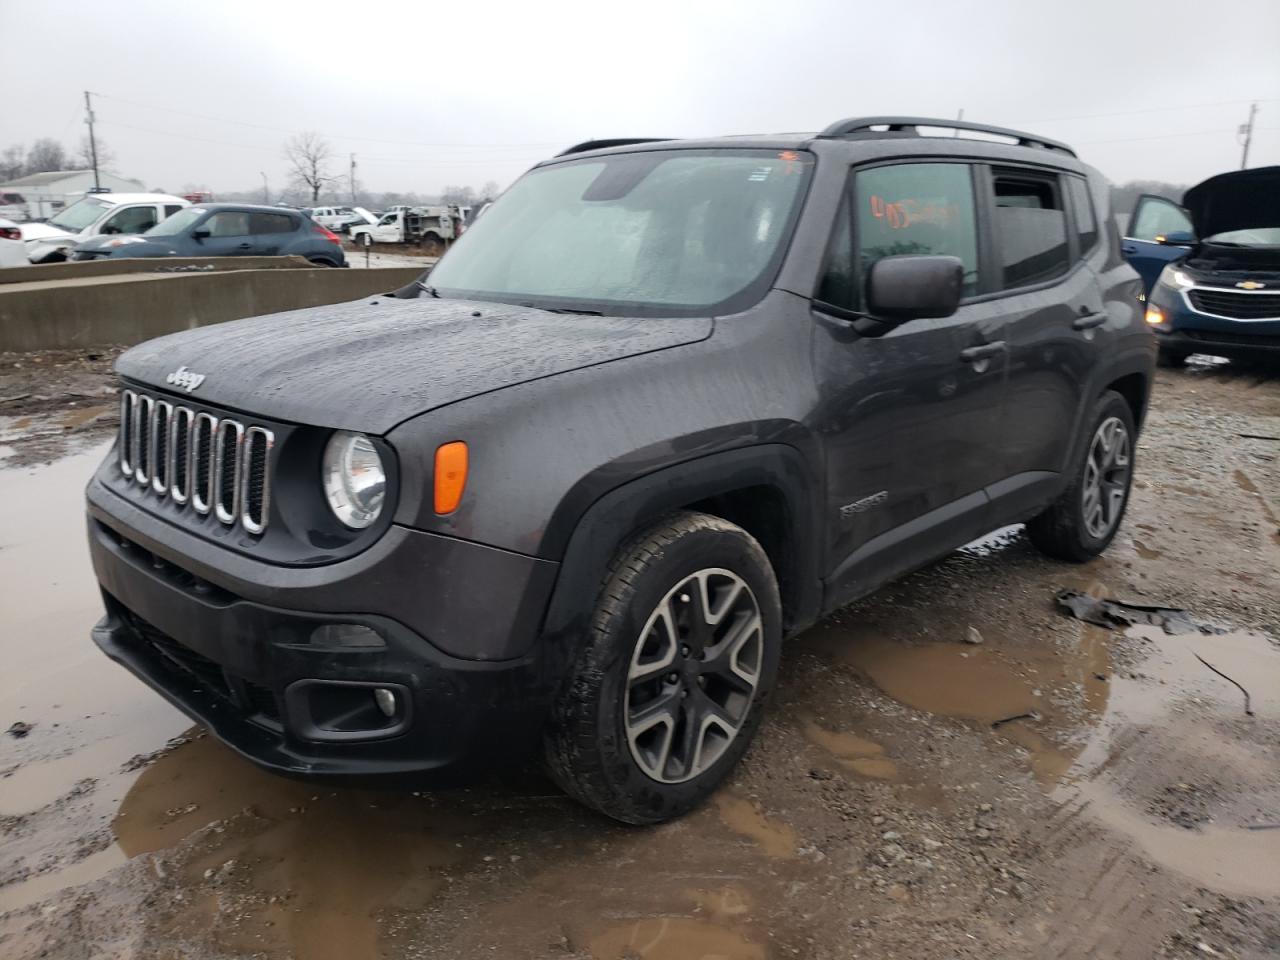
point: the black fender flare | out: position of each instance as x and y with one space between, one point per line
606 523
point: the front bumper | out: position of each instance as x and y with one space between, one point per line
1187 330
242 658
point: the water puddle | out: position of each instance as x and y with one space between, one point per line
858 754
741 816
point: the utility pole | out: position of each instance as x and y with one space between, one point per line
93 144
1247 130
266 191
353 178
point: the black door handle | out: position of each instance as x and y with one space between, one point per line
245 246
1128 249
982 351
1089 321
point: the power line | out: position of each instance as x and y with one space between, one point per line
1134 113
336 136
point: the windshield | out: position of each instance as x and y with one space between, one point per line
177 223
80 214
1255 237
665 231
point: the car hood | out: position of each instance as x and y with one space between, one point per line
117 244
1235 201
44 231
371 364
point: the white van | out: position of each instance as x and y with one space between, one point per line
94 214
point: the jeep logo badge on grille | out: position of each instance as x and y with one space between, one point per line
186 379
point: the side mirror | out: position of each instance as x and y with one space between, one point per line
1177 238
914 288
200 234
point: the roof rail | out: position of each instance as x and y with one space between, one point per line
586 145
911 125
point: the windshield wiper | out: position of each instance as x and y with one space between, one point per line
431 291
584 313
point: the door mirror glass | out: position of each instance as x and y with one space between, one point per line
911 287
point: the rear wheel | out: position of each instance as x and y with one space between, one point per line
680 658
1084 519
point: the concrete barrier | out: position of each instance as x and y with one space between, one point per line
130 307
70 270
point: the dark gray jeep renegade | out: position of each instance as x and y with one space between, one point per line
665 405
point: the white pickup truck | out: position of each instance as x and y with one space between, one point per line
95 214
425 226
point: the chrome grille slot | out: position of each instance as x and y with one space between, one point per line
218 465
128 399
226 469
255 496
142 412
180 454
202 462
159 458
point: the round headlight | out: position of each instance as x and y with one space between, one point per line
355 482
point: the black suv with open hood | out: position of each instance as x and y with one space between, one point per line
666 404
1212 266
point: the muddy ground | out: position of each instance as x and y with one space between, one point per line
888 809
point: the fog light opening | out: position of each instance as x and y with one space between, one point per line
386 701
1155 316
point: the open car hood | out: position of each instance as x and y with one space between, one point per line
1242 200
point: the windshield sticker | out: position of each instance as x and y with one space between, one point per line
760 174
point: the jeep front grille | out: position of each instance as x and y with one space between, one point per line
216 464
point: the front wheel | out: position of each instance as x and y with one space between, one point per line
1084 519
680 657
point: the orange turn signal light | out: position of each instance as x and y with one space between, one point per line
1155 316
451 476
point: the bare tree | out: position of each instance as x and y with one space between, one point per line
489 191
13 162
459 195
82 159
46 154
309 155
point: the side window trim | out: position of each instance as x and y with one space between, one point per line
1068 179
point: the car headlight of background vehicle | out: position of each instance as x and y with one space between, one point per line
355 480
1175 279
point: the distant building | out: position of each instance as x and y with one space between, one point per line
46 193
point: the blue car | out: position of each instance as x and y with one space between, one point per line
1211 267
224 230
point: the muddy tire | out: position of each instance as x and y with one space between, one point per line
431 245
1171 358
1087 514
680 658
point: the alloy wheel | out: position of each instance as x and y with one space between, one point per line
693 675
1106 477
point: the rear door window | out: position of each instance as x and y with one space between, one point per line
1030 227
260 223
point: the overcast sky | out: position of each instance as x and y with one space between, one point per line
433 93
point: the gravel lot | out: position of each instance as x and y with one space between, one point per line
889 808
